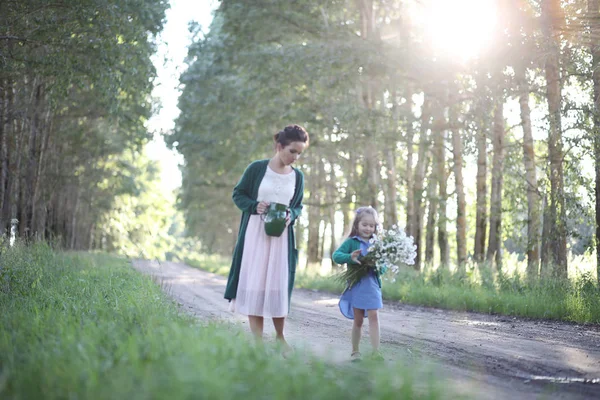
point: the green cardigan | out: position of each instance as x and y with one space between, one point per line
343 255
244 196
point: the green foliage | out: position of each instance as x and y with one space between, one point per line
141 215
266 63
263 65
76 78
95 329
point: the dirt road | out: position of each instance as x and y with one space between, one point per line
483 356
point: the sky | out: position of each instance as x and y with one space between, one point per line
169 64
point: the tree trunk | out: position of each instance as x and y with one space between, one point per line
419 181
367 32
533 198
373 167
441 176
431 214
552 17
346 218
3 151
545 253
8 157
391 197
461 203
3 172
18 200
299 235
313 214
410 190
594 18
323 223
494 250
39 216
74 216
331 200
333 244
31 169
481 202
350 193
323 214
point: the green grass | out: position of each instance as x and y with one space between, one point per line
480 290
87 326
477 289
576 300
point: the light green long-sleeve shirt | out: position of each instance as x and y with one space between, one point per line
343 254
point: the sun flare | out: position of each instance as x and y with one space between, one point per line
458 28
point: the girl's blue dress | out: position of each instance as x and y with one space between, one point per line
365 295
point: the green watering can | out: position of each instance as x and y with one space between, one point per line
274 218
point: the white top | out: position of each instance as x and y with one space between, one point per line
277 188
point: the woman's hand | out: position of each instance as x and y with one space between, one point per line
354 255
262 207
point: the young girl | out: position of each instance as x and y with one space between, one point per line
364 298
263 267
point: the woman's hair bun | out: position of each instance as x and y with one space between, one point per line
291 133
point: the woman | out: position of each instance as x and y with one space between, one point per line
262 272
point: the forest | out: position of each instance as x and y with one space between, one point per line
75 95
480 139
480 143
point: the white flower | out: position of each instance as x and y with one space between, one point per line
392 248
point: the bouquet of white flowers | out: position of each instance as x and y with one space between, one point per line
388 250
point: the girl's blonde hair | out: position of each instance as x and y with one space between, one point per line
358 216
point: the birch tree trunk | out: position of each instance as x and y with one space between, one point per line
3 172
410 190
533 198
552 17
461 203
441 176
481 202
299 236
545 262
594 17
391 197
40 216
4 128
31 168
74 217
312 251
367 32
350 191
431 213
19 199
419 182
494 250
331 208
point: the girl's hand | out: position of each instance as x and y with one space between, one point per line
262 207
354 255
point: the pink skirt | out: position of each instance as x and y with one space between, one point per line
263 285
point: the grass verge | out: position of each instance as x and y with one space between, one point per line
477 289
90 327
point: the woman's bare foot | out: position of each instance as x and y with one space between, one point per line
286 349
